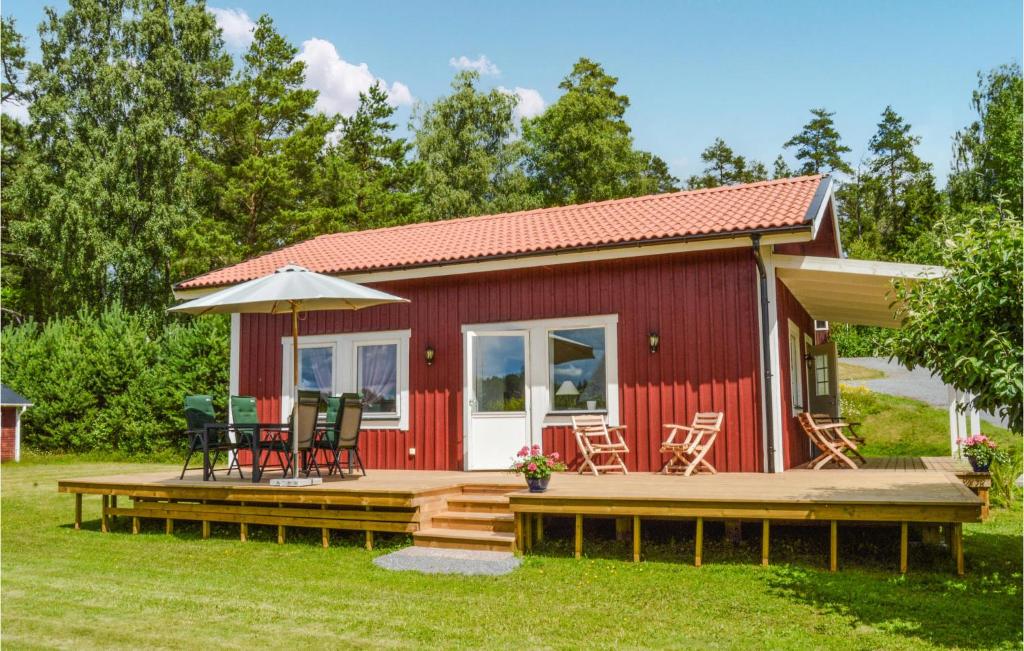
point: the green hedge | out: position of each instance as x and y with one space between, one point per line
113 380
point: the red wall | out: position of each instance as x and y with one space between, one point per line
8 421
824 245
795 444
703 305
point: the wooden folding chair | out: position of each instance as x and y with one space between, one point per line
850 434
829 441
593 436
688 454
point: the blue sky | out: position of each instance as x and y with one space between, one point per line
745 71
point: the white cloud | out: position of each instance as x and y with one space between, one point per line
530 102
481 64
236 26
340 82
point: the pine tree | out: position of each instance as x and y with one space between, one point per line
723 166
581 148
818 146
368 180
260 158
465 143
781 169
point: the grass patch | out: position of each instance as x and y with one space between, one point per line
848 372
895 426
84 589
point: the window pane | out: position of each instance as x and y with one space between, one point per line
576 359
377 377
316 369
499 373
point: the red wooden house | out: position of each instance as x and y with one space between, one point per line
645 309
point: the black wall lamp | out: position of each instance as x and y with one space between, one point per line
428 355
654 340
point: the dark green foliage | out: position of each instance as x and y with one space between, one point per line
113 380
725 167
581 148
100 194
967 326
988 163
818 147
259 159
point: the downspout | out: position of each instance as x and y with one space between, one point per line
766 352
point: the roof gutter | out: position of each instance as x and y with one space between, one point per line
762 274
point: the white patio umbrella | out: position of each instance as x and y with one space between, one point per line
291 289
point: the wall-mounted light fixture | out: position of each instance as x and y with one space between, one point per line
654 340
428 355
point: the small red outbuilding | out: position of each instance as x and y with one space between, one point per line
12 405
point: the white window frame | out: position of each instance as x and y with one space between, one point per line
796 378
344 371
820 326
356 345
538 374
810 385
550 407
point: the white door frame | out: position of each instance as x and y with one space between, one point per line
469 393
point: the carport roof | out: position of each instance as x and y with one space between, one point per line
858 292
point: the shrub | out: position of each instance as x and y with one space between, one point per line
1005 472
113 380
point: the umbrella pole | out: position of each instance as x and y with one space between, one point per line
295 389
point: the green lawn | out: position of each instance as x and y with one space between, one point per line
847 372
85 589
895 426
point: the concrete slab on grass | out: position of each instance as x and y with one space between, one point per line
430 560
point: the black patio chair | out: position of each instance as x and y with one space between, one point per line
305 414
202 427
350 422
347 409
244 421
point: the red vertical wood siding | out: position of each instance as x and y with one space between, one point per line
795 445
824 245
703 305
8 423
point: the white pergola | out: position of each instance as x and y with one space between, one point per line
860 292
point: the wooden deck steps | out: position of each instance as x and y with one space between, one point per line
478 518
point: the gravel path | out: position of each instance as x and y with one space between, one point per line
449 561
918 384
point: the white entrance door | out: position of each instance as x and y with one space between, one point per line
498 402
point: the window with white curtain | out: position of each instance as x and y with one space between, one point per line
373 364
377 378
796 380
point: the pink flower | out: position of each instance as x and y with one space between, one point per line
525 451
554 456
536 448
532 467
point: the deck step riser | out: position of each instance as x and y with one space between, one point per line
457 524
478 504
448 543
486 490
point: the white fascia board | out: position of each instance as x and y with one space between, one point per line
859 267
547 259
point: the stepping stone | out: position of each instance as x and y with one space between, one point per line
433 560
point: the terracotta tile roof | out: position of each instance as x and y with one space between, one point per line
678 215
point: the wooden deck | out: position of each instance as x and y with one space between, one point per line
494 511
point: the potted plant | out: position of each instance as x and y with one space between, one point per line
981 451
537 467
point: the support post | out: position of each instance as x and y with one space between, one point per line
540 527
579 535
243 532
833 546
958 544
78 510
169 526
764 542
518 521
104 518
135 525
206 529
369 540
325 537
636 538
280 534
698 543
528 532
903 547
